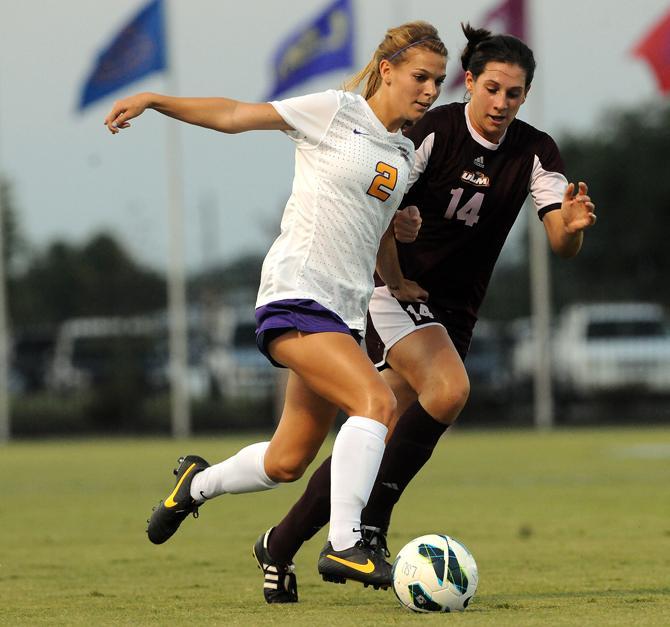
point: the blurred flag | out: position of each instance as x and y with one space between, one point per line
323 45
509 18
136 51
654 48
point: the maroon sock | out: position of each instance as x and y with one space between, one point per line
408 449
309 514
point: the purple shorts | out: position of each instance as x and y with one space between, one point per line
280 316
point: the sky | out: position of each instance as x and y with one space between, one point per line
71 179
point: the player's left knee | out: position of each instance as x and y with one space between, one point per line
449 400
286 469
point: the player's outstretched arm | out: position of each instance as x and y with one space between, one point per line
565 228
220 114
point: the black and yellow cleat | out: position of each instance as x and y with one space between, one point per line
360 562
279 582
169 514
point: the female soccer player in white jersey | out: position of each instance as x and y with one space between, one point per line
475 164
352 169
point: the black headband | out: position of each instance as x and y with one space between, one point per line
414 43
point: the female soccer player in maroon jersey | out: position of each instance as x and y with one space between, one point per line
475 165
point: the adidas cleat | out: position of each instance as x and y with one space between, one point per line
359 563
280 584
169 514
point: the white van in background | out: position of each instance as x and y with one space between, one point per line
607 347
88 350
237 368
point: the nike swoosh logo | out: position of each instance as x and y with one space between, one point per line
357 132
169 501
362 568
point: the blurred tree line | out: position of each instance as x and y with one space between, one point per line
96 278
624 256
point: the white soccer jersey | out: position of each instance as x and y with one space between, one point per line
350 176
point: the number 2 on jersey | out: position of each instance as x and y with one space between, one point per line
384 183
469 212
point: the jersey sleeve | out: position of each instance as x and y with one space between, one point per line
547 179
422 135
310 116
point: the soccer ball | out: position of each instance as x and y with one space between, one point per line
434 573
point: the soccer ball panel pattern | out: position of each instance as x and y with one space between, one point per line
435 573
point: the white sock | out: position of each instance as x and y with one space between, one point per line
243 472
357 453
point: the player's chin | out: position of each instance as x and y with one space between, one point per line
417 112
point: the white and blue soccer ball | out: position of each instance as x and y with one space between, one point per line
435 573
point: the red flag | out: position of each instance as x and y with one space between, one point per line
654 48
509 17
511 14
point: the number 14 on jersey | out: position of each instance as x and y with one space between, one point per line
469 212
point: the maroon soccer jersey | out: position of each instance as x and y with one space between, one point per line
469 194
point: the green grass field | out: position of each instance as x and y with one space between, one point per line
568 528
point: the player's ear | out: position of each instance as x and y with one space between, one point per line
469 81
385 70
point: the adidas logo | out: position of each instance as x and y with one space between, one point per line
391 486
479 162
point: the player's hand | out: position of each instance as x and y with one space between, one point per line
408 291
406 224
125 110
577 209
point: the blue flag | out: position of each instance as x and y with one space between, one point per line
323 45
138 50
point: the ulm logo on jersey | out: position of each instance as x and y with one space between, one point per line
479 179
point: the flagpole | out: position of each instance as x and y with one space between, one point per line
5 417
540 279
177 317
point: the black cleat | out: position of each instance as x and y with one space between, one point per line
169 514
280 585
375 538
359 563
